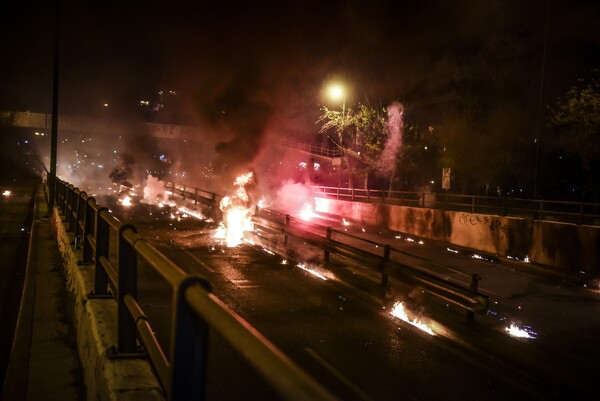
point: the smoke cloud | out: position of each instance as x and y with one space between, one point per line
395 125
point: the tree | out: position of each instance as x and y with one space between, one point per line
577 116
361 136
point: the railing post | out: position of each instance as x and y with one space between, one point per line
581 214
386 258
195 196
73 211
287 223
368 195
472 203
183 192
88 230
541 211
352 194
472 292
505 206
127 268
189 347
423 199
101 235
338 193
79 217
67 204
328 238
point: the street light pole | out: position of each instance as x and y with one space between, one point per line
342 141
54 133
337 92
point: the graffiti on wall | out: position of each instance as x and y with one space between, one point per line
477 219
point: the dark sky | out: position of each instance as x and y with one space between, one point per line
263 56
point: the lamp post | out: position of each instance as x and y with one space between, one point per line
336 92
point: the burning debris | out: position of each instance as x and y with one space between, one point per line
514 330
399 311
311 270
236 213
125 201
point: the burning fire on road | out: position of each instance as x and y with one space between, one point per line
236 213
400 312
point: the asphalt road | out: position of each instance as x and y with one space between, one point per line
346 338
16 209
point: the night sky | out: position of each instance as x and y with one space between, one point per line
254 64
226 53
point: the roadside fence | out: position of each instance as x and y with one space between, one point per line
196 309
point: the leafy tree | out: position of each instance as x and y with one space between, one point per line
577 116
360 135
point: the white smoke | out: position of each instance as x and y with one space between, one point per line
293 197
395 126
154 191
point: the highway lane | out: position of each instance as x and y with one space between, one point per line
16 210
332 330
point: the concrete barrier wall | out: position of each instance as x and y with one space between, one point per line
96 329
562 245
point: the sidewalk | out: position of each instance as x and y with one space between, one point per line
44 363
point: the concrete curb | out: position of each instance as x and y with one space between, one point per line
96 329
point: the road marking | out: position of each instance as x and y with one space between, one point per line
243 284
199 261
338 375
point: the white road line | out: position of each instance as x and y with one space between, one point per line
347 382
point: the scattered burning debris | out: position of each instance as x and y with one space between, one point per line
399 311
514 330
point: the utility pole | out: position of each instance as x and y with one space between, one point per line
54 134
538 134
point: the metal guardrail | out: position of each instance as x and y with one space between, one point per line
193 193
196 309
536 209
467 298
278 223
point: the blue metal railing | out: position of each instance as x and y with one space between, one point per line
183 374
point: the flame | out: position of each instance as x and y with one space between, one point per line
6 193
307 212
125 201
520 332
311 271
236 213
345 222
399 311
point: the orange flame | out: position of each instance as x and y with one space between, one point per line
400 312
236 214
